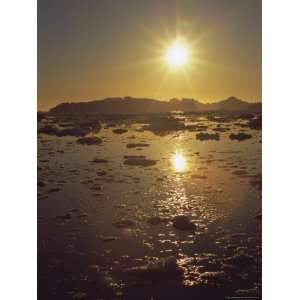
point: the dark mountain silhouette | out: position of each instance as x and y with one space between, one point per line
234 104
130 105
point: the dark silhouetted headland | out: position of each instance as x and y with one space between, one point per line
130 105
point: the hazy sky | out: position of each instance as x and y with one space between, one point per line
92 49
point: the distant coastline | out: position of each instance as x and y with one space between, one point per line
129 105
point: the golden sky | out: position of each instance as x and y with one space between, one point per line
93 49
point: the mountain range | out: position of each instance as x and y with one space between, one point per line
129 105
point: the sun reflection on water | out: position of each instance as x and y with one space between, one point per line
179 162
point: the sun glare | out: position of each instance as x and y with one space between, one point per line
179 162
177 55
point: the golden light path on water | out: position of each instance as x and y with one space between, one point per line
179 162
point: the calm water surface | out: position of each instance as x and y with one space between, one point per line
104 226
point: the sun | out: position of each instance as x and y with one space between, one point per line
177 54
